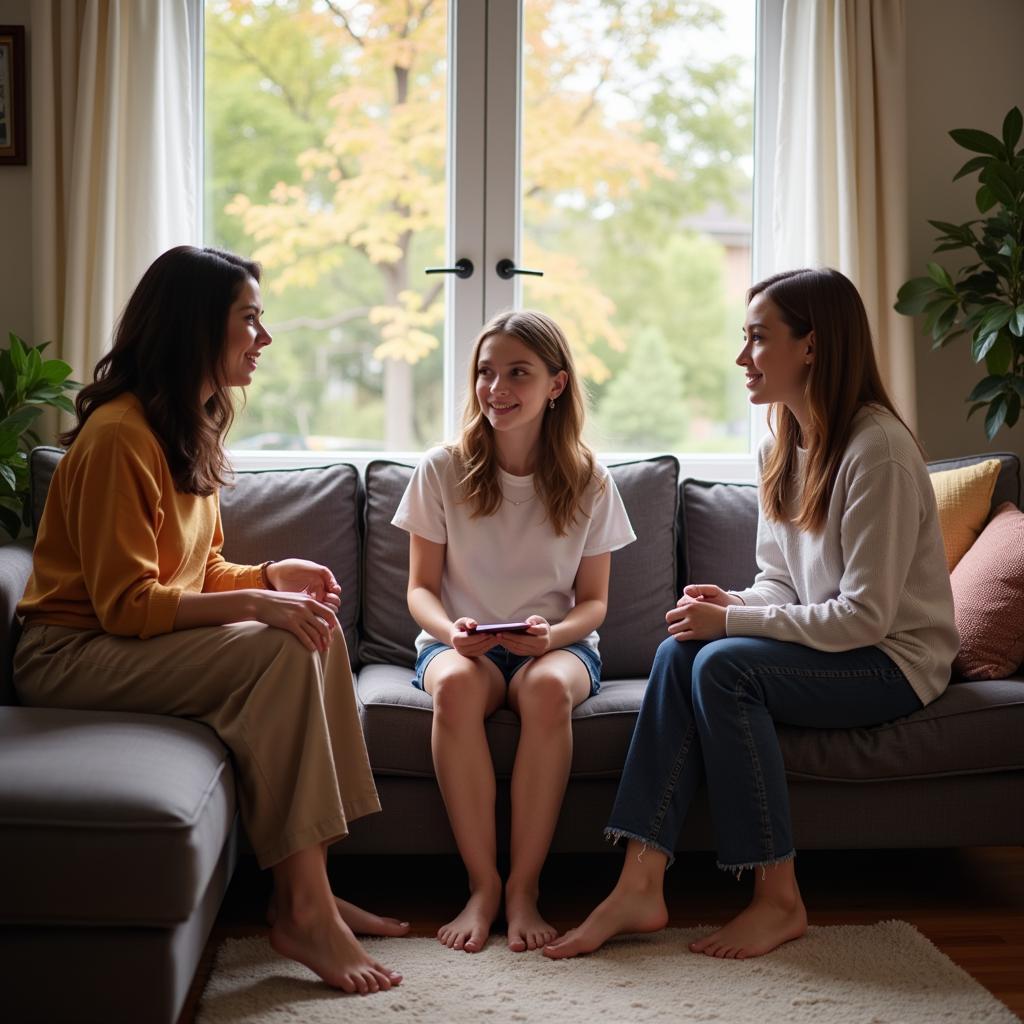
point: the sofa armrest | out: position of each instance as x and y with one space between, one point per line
15 569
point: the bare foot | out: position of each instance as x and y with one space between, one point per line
526 928
362 922
470 929
626 909
326 945
757 930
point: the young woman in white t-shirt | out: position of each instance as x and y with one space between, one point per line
514 523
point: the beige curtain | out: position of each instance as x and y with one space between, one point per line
840 195
113 121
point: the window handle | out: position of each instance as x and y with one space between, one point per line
463 268
506 270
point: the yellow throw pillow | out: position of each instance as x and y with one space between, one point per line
964 497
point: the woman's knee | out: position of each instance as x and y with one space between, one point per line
459 691
722 675
543 695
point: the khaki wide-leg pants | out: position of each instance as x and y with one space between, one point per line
288 715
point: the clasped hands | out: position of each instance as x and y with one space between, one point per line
305 601
531 644
700 613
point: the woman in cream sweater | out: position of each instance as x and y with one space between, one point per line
848 623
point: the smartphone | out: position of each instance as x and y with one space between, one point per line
501 627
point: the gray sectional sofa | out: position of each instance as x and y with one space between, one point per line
118 832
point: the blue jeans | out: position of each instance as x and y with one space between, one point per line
709 712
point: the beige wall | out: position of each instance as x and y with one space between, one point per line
16 220
965 70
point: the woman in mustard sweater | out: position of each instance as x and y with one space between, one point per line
132 607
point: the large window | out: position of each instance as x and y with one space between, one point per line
352 145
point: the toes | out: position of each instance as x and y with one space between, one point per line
516 944
380 979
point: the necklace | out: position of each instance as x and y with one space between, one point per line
522 501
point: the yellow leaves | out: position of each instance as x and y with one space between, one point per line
582 310
404 328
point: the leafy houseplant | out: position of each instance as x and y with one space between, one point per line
27 383
986 299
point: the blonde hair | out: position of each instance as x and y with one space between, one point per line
843 377
565 465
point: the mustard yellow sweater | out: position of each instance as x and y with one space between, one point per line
118 545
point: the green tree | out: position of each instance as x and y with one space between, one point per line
645 403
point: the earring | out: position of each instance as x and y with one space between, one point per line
551 403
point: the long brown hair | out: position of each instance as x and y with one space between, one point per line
565 465
842 378
168 344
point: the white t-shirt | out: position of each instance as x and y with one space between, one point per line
507 566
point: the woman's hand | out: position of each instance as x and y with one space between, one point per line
709 593
694 619
467 643
298 576
310 620
531 644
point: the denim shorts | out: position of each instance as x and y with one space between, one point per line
510 663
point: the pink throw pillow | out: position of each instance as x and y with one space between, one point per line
988 595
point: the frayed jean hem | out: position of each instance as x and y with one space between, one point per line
738 869
613 835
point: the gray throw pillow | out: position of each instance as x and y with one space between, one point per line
300 513
718 533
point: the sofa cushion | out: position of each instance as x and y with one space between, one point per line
396 719
988 594
643 574
974 727
300 513
389 631
963 497
109 817
718 533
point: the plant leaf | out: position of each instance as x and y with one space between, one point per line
7 474
1012 125
915 294
985 199
56 371
1017 323
995 417
999 356
981 345
1012 409
974 164
986 389
978 141
64 404
940 276
18 421
10 522
974 408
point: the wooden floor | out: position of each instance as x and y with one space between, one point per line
970 903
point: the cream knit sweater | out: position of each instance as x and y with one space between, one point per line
876 576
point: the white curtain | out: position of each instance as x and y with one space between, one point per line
840 195
114 116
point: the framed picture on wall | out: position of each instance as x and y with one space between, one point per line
13 127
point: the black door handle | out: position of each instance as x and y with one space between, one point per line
506 270
463 268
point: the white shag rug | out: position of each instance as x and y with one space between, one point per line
852 974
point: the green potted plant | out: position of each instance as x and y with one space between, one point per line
985 299
27 383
